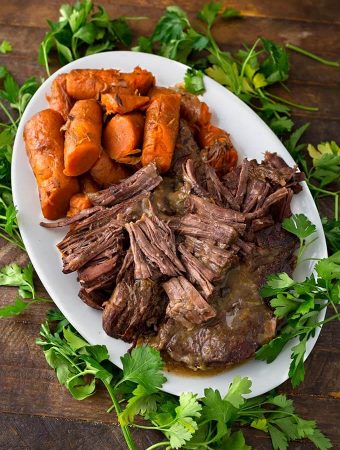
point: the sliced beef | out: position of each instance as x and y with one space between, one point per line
242 182
192 177
144 180
218 191
217 259
95 299
242 324
273 252
208 209
205 228
101 272
291 175
153 248
186 304
77 249
198 272
134 308
130 209
256 190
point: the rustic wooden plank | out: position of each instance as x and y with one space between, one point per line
16 12
34 433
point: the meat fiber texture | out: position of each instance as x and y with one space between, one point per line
178 260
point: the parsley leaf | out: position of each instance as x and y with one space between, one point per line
331 228
82 29
143 366
193 81
5 47
22 278
209 13
300 303
301 227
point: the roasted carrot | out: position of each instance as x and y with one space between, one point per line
218 149
87 184
82 137
193 110
59 100
123 136
139 80
45 149
122 103
106 172
161 129
157 90
82 84
78 202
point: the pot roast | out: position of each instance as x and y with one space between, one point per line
177 261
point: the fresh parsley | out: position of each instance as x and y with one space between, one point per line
301 227
5 47
299 304
193 81
13 101
187 422
83 29
22 278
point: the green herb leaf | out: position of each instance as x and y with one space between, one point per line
14 309
143 366
209 13
275 283
238 388
230 13
193 81
5 47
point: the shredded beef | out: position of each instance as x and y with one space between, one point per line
144 180
179 261
185 303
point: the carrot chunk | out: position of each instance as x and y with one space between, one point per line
116 103
59 100
161 129
218 149
82 137
45 149
123 136
78 203
106 172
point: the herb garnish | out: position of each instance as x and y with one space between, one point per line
187 422
14 275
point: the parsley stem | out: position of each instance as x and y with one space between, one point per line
47 68
295 105
249 56
326 62
125 429
13 241
8 114
158 444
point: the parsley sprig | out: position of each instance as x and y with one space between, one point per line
22 278
83 29
13 101
298 305
302 228
188 422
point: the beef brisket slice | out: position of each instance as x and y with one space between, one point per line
242 324
134 308
186 304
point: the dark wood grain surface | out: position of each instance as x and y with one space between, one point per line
35 411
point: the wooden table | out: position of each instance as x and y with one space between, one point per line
35 411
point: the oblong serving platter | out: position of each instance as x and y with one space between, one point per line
251 137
